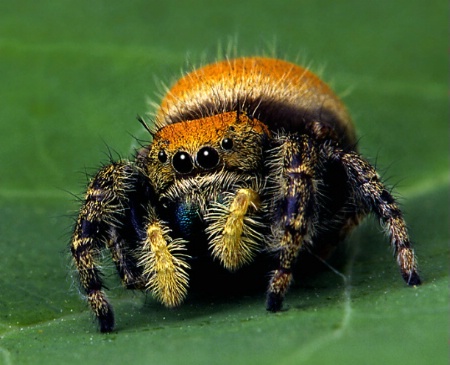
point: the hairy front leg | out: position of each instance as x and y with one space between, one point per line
103 206
123 253
297 160
374 197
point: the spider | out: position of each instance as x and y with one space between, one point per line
248 155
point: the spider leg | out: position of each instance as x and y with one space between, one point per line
123 254
373 196
164 263
104 206
297 160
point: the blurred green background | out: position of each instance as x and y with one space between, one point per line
74 74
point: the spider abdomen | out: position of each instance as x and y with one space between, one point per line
279 93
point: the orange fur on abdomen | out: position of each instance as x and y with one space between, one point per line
278 93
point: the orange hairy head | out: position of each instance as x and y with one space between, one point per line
233 141
189 135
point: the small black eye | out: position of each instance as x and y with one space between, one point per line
182 162
162 156
227 143
207 157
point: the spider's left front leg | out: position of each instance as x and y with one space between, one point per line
373 197
295 162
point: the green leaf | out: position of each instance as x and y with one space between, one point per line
74 76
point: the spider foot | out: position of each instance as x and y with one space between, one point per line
277 289
102 310
274 302
412 278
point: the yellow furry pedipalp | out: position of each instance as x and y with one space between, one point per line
236 242
165 267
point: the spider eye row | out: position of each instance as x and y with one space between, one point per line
206 158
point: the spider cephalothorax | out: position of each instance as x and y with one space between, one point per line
248 155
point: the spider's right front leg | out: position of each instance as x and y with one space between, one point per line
100 216
295 164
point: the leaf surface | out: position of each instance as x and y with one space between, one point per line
75 74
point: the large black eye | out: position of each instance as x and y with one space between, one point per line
182 162
207 157
162 156
227 143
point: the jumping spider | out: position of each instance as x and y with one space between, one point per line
247 155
